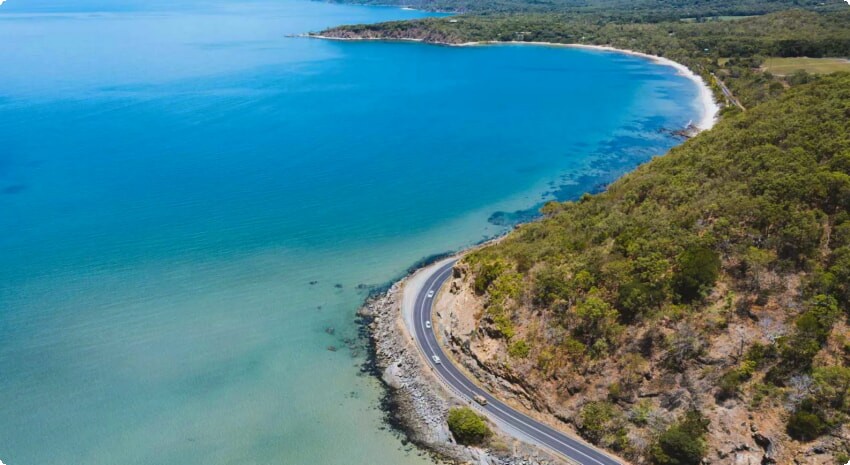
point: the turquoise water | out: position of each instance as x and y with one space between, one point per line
189 199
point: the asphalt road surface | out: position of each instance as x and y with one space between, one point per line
516 422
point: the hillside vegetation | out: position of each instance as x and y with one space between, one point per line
635 10
719 273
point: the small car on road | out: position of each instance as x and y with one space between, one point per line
436 359
480 399
430 294
428 324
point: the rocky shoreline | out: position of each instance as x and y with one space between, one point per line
416 403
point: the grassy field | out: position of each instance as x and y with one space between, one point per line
785 66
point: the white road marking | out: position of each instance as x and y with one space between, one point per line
463 383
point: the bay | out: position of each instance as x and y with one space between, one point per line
190 199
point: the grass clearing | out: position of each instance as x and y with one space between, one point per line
786 66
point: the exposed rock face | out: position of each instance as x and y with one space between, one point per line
739 434
417 404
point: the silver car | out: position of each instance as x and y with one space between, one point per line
436 359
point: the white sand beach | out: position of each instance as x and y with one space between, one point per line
708 106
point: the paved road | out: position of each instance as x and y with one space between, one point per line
526 427
728 93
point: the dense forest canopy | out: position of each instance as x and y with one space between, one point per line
637 10
672 254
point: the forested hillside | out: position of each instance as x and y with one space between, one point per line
718 274
637 10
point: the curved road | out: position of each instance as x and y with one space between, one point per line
525 427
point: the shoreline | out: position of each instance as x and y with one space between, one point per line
415 401
708 106
415 405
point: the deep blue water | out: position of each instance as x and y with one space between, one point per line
174 175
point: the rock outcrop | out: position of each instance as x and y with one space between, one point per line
416 403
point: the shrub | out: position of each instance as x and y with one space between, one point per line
805 425
595 418
467 426
603 424
676 447
596 319
487 273
640 412
682 443
550 285
634 299
519 349
698 270
734 378
504 325
811 331
832 387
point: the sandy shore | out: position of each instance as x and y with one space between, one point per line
709 108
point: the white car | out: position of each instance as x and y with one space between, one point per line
428 324
430 294
436 359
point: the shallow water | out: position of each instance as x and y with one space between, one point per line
174 177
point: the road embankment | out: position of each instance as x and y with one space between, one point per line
416 402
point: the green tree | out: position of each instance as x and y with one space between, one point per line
634 298
487 273
805 424
698 270
467 426
596 320
682 443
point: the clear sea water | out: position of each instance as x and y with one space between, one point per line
175 174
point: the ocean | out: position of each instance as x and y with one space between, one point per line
194 203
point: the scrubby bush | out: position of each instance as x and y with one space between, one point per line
805 425
487 273
519 349
595 419
698 270
636 298
682 443
602 423
467 426
732 380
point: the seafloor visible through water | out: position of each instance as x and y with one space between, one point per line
190 199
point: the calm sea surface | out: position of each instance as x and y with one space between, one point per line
189 199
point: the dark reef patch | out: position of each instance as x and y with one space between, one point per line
13 189
614 158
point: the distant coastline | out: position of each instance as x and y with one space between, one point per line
709 108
